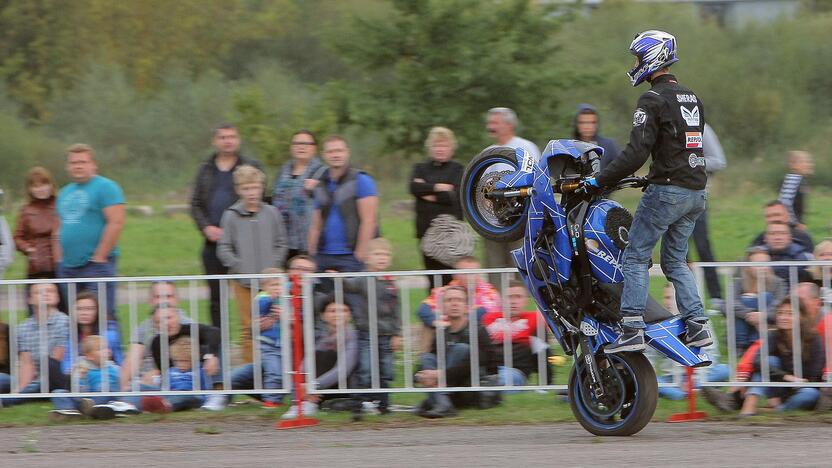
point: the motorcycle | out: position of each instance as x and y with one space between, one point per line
570 261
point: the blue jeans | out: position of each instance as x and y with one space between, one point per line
668 213
93 270
511 376
716 373
343 262
745 333
69 403
456 354
804 398
385 365
272 367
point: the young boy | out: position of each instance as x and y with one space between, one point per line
253 238
270 304
91 372
182 376
388 320
794 187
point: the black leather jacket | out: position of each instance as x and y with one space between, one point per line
668 124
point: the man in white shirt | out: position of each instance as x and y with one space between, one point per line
501 125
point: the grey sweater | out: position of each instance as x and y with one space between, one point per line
251 242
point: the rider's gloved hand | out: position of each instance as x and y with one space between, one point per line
589 185
590 181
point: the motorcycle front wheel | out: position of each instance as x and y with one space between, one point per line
631 394
495 220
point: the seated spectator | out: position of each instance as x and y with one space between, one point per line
139 360
44 298
270 305
209 341
778 241
86 319
182 378
776 212
388 320
454 326
780 363
253 238
520 328
330 365
95 372
486 298
749 299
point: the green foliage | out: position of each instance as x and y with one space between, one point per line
431 62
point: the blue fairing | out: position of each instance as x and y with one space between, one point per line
604 256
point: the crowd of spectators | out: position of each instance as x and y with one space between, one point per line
323 216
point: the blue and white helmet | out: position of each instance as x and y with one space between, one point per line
654 50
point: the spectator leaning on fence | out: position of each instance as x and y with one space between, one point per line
31 350
37 232
794 188
387 320
435 185
823 252
346 211
92 214
183 377
213 194
292 191
750 300
453 325
776 212
253 238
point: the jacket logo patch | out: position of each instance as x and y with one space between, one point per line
689 98
693 140
691 116
694 160
639 117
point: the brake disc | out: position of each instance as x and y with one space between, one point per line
491 209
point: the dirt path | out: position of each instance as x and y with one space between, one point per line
258 444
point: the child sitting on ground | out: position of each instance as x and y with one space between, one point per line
182 376
270 304
94 373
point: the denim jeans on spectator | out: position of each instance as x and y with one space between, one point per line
456 354
385 365
185 402
213 266
804 398
716 373
272 368
511 376
345 262
92 270
69 403
668 213
745 333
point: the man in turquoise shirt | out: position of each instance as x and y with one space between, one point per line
92 214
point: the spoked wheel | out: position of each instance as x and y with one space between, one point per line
631 394
497 220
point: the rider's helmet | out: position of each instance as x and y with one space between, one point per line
654 50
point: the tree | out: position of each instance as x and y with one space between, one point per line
446 62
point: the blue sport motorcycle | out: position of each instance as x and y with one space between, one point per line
571 263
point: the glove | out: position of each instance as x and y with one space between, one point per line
591 182
588 185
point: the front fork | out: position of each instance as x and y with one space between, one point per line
595 381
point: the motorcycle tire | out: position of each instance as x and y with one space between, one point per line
479 176
632 396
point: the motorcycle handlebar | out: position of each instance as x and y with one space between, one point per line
571 185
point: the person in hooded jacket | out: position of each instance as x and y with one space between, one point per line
587 125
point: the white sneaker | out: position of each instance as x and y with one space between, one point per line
215 402
369 407
122 408
309 409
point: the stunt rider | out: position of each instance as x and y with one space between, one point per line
668 123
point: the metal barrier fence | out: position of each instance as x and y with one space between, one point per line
411 286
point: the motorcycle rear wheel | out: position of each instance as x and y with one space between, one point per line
479 177
630 400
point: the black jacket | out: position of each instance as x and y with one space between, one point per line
446 202
204 186
209 342
668 124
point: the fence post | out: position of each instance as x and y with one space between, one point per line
692 414
297 360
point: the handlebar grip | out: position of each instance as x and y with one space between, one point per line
569 187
